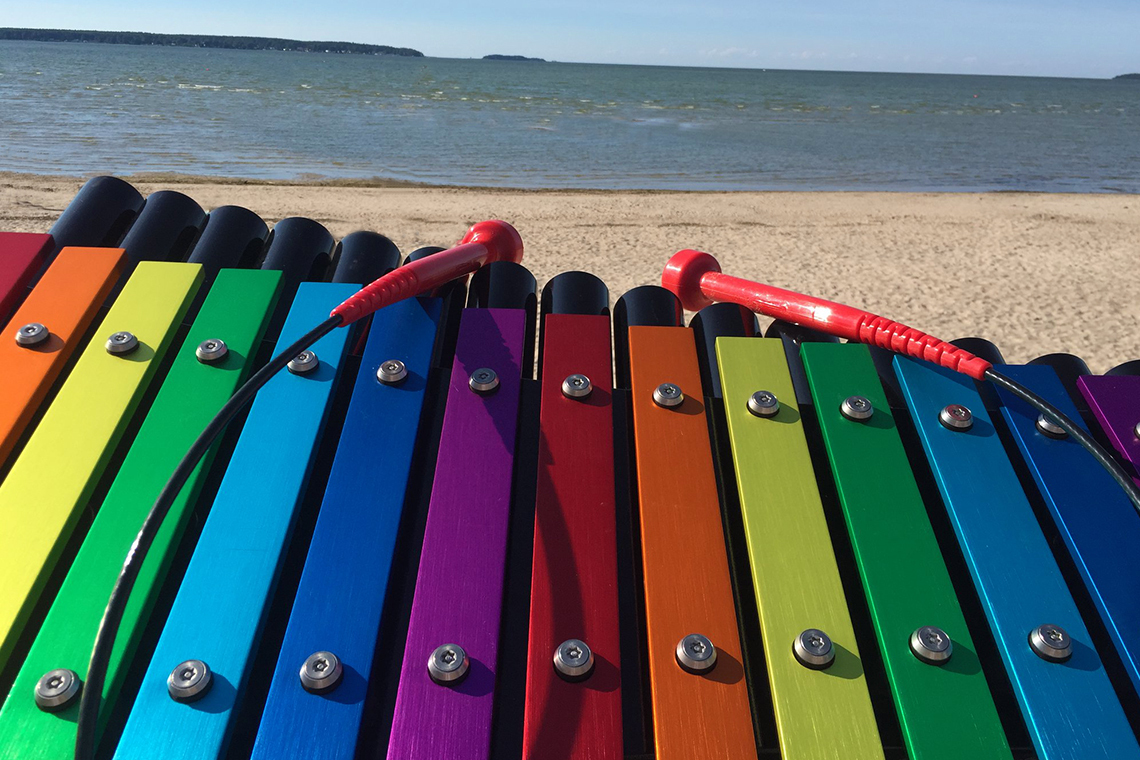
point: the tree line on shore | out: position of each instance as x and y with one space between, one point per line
202 41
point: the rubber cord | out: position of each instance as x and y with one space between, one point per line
87 728
1076 432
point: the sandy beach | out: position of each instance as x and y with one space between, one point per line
1035 273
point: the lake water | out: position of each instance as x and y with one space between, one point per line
117 109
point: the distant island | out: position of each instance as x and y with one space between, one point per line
1127 76
202 41
512 58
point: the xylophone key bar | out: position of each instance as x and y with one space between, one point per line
446 697
573 589
696 675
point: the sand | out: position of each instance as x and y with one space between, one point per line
1035 273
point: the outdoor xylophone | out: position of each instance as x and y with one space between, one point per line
419 542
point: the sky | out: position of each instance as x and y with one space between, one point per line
1076 38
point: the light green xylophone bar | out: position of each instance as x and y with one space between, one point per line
236 311
945 710
820 714
50 483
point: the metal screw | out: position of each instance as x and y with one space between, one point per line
577 386
122 343
573 660
1051 642
57 689
764 404
813 649
304 363
931 645
956 417
668 395
32 334
392 372
189 681
321 673
211 350
1136 430
857 408
1049 427
696 653
448 664
484 380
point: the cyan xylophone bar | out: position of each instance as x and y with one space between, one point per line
574 708
446 696
220 608
342 591
1069 706
79 432
235 312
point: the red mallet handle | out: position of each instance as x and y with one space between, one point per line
696 279
484 243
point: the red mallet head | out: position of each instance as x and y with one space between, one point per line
683 275
502 241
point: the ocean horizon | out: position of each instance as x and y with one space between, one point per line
82 108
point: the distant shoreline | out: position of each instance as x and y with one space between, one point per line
202 41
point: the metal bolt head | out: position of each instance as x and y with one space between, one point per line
577 386
303 363
764 404
321 672
57 689
668 395
696 653
931 645
122 343
813 649
857 408
956 417
1049 427
484 380
448 664
573 660
211 350
1051 642
189 681
392 372
32 334
1136 430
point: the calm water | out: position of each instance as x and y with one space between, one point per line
74 108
